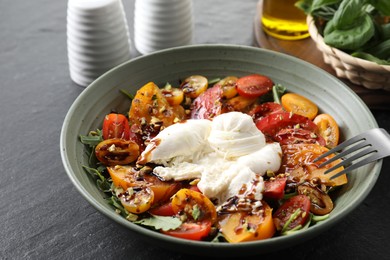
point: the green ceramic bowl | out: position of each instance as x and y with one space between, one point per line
330 94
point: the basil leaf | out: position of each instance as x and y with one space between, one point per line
349 14
350 39
319 4
381 50
383 6
370 57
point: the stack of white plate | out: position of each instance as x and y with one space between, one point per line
97 38
160 24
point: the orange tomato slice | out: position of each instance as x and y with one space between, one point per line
300 105
194 204
328 129
241 226
151 107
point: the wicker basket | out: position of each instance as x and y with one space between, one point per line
361 72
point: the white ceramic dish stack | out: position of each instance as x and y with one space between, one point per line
160 24
97 38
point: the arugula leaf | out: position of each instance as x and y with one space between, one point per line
101 182
160 222
92 139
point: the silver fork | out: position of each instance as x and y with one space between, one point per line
372 145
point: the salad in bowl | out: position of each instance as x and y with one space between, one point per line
223 160
248 151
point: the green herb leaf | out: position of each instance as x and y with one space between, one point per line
370 57
300 227
92 139
291 219
349 14
383 6
213 81
350 39
127 94
196 213
278 91
160 222
316 218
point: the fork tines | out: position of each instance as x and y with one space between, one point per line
366 146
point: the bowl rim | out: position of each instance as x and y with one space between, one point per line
180 244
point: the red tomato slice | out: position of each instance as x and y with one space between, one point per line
208 104
288 208
297 136
254 85
265 109
271 124
163 210
275 188
191 230
116 126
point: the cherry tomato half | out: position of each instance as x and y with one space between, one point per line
300 105
174 96
194 205
194 85
163 210
116 126
136 199
275 188
288 208
228 86
116 151
321 203
253 86
191 230
328 129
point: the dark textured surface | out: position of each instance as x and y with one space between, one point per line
42 216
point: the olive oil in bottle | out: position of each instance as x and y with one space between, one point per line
283 20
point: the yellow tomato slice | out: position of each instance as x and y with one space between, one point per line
124 176
194 85
328 129
228 85
174 96
241 226
194 205
300 105
136 199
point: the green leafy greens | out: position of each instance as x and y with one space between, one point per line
358 27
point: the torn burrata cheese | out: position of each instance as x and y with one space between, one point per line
228 155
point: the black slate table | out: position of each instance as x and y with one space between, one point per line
42 216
